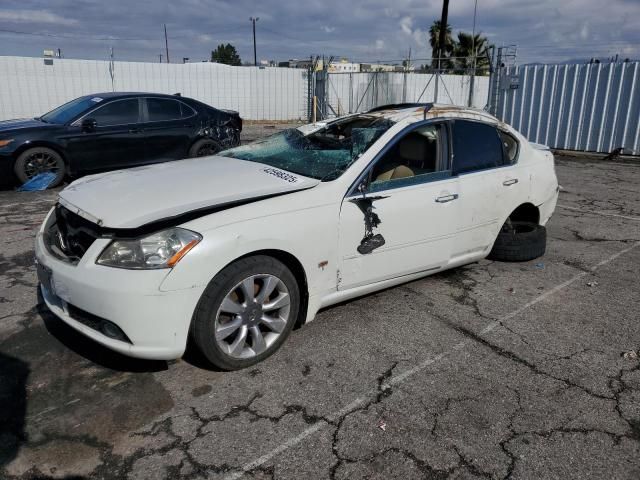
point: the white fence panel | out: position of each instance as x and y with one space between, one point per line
31 87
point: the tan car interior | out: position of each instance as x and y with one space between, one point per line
415 154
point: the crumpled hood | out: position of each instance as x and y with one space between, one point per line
134 197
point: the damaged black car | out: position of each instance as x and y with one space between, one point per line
108 131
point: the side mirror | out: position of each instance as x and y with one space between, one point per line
89 125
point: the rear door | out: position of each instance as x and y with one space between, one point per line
477 162
168 129
514 182
402 221
115 142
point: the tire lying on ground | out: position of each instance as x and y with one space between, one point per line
37 160
519 242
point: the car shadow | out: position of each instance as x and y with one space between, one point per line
195 358
13 406
91 350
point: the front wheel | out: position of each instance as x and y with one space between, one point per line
38 160
246 312
519 242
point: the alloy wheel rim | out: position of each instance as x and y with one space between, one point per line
252 316
40 162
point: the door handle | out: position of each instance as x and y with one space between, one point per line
511 181
135 130
447 198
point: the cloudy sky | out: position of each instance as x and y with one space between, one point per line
362 30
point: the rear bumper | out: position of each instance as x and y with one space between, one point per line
547 207
156 322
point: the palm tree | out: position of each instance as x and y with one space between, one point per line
434 40
466 48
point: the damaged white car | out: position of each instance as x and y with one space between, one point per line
231 251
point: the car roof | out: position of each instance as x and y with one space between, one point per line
419 111
432 111
112 95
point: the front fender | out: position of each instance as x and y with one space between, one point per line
310 237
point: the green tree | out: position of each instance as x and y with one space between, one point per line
226 54
465 48
447 50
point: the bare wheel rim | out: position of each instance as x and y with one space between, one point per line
252 316
40 162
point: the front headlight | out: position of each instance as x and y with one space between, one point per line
161 250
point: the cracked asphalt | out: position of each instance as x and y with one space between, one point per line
492 370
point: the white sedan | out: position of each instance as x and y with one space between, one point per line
232 251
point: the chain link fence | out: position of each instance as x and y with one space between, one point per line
342 93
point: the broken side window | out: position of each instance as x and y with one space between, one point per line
415 158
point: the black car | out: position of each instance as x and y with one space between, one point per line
108 131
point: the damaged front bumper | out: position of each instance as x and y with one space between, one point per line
124 310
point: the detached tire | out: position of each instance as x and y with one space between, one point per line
246 312
37 160
204 148
519 242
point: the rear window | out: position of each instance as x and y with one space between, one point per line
476 146
510 146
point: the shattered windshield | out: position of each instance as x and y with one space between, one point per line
323 155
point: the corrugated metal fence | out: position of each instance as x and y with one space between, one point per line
33 86
594 107
358 92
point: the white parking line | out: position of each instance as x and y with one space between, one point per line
396 379
604 214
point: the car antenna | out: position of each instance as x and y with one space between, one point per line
177 94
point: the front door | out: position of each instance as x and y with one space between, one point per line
402 219
115 142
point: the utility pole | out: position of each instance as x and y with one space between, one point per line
255 56
407 66
160 57
441 40
475 55
166 42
